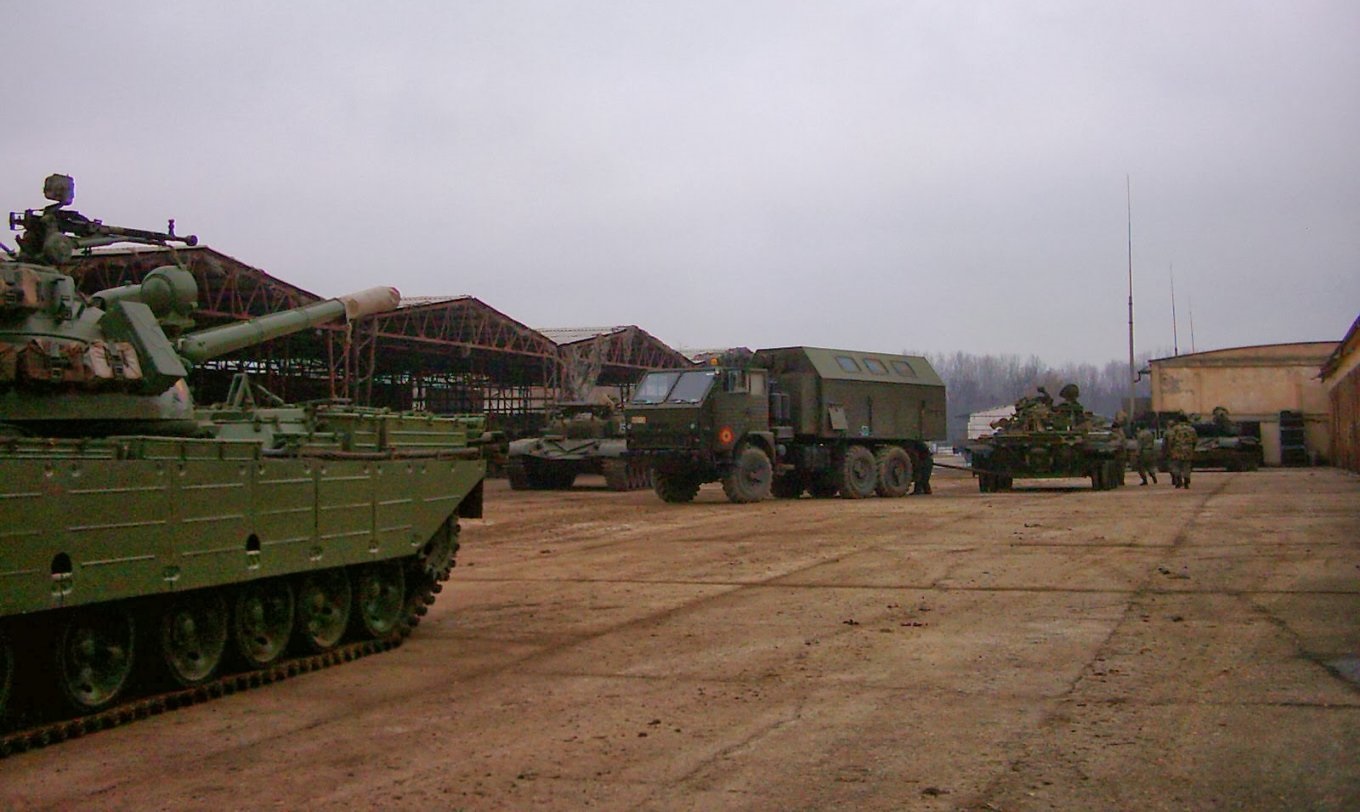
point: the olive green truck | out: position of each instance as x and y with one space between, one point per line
829 422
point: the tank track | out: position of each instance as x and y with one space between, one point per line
46 733
50 733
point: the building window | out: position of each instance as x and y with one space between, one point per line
875 366
847 363
904 369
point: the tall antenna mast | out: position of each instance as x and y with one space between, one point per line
1191 302
1175 342
1133 372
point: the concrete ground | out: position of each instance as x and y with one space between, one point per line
1050 648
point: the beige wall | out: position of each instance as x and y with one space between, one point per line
1252 383
1343 391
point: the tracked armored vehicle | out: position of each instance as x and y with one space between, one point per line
1223 442
581 438
1043 440
146 543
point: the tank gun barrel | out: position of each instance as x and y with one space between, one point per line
202 345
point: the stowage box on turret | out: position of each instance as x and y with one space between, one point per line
144 540
794 419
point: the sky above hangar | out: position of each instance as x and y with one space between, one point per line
930 176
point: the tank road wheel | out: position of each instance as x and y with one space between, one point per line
94 657
6 671
618 474
858 473
262 621
787 486
324 599
749 479
675 487
379 598
894 471
193 637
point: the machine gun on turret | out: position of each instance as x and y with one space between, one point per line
51 235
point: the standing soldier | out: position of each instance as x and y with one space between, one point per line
920 475
1147 457
1180 442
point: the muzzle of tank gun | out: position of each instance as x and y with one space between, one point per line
367 302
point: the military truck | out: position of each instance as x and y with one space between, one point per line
580 438
1044 440
794 419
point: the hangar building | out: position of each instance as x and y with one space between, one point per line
444 354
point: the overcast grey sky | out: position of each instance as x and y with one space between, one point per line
937 176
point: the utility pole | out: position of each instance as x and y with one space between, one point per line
1175 341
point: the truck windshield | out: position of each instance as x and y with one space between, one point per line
692 386
654 387
675 387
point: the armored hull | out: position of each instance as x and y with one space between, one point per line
188 556
582 438
1003 457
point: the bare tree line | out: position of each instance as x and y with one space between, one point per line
975 383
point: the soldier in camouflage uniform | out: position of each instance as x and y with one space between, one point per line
1180 442
1147 456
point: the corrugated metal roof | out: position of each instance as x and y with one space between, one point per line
571 335
418 301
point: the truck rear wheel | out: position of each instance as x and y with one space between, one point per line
894 471
749 479
859 474
675 487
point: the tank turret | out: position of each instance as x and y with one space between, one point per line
115 362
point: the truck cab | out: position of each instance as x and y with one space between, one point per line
692 424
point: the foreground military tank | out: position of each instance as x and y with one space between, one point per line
148 545
581 438
1043 440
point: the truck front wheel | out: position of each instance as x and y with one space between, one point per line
859 473
675 487
749 479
